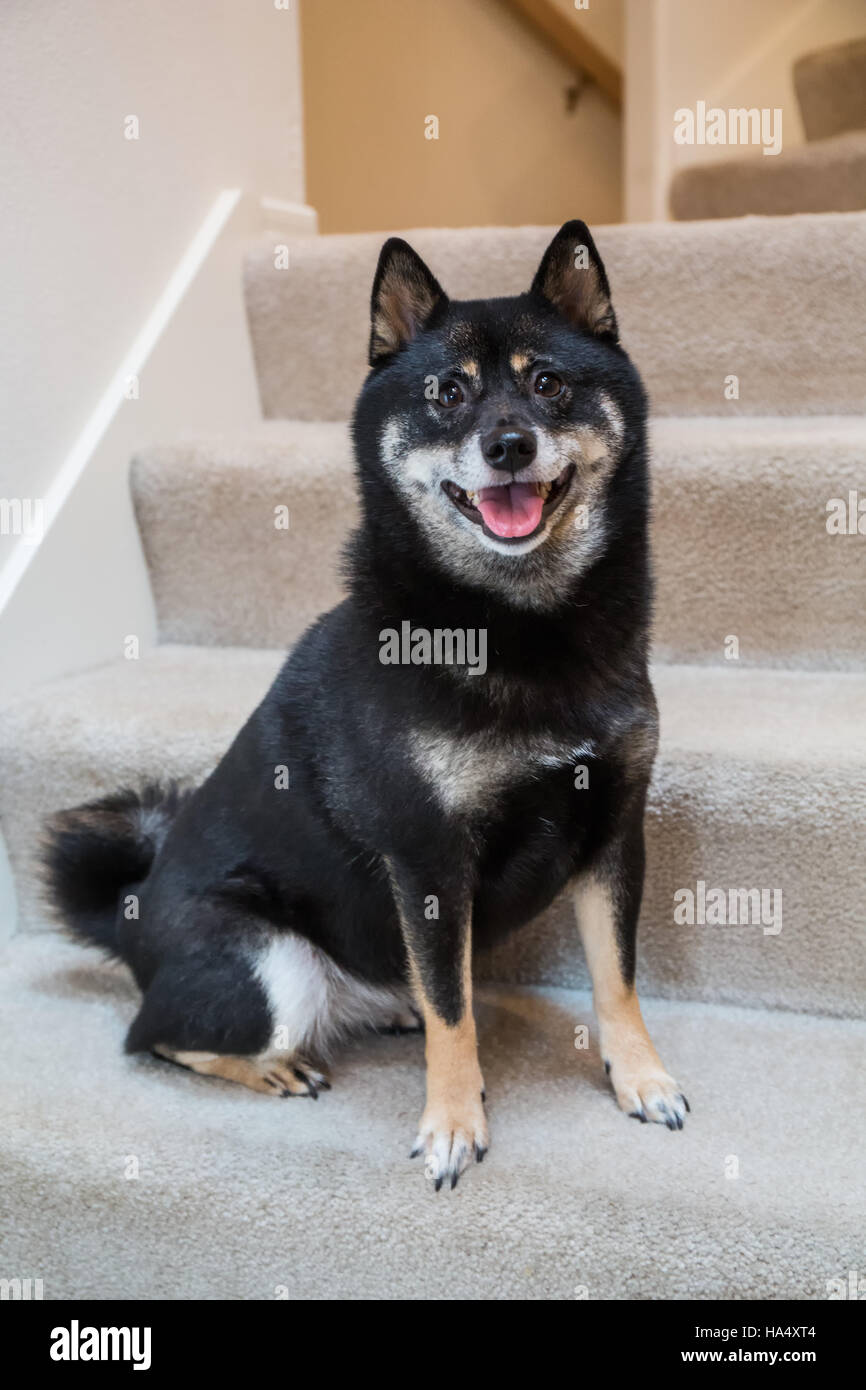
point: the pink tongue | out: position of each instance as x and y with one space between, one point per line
511 510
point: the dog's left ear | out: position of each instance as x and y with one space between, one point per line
406 295
572 278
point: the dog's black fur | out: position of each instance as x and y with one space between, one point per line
350 853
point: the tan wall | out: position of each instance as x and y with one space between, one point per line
509 151
603 21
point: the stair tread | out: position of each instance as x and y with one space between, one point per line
759 714
260 437
750 712
820 176
751 430
739 535
572 1192
760 783
695 301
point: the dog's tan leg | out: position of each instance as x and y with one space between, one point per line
453 1128
642 1085
274 1076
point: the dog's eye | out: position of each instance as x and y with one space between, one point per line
548 384
450 394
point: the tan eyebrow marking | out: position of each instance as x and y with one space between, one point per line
520 361
470 368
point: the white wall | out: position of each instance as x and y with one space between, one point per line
97 232
92 223
739 53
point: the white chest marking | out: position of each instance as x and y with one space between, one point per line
465 771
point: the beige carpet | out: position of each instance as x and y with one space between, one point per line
822 176
239 1195
831 89
740 517
760 783
695 302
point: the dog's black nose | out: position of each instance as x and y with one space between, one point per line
509 448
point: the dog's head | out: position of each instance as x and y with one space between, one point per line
499 423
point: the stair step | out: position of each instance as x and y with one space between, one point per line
824 176
572 1196
739 536
831 89
696 303
760 784
170 714
245 581
741 544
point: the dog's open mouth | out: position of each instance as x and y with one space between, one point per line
511 511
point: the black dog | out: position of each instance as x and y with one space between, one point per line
470 731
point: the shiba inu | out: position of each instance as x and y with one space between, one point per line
379 819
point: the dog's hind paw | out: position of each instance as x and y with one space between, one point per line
297 1077
402 1021
272 1076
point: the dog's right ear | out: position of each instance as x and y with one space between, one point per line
406 295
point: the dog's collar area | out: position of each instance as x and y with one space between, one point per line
512 511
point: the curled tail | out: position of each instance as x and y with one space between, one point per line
92 852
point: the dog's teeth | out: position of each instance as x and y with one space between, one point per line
544 488
472 496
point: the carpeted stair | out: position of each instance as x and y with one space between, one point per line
831 89
827 174
761 783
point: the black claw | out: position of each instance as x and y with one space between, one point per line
324 1085
686 1104
637 1115
483 1095
306 1081
454 1177
415 1152
438 1183
479 1153
607 1068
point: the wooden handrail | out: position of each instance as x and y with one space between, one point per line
572 45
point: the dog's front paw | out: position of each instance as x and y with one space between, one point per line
451 1137
646 1092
